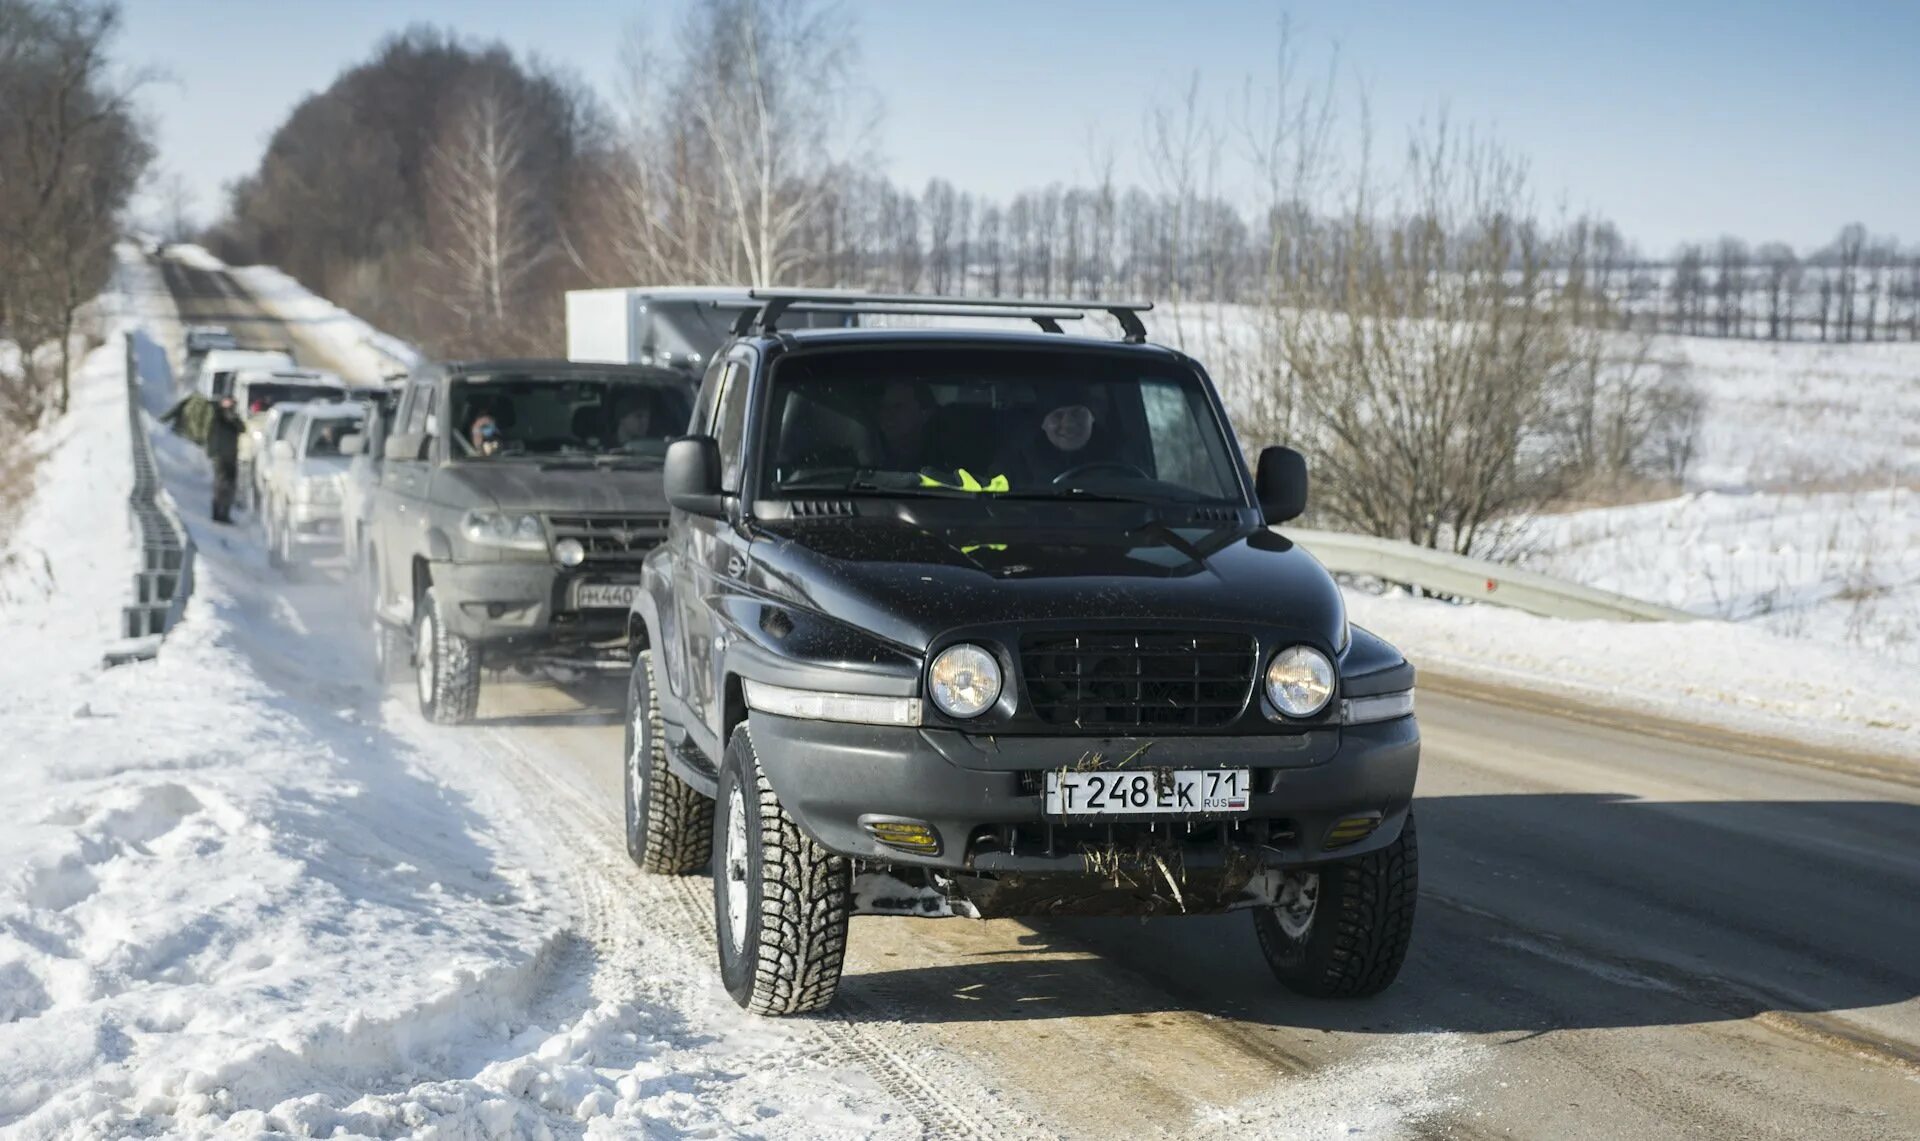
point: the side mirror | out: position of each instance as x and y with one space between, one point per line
1280 483
282 450
406 446
353 444
692 476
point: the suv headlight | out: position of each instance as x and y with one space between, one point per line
1299 681
964 680
507 530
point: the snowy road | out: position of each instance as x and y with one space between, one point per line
1621 934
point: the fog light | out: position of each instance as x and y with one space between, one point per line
916 836
1352 830
569 552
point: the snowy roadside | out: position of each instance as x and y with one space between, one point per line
238 901
1721 675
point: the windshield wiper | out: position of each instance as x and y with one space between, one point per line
1077 493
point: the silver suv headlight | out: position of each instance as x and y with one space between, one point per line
507 530
1299 681
964 680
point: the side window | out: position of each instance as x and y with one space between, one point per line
731 424
1180 453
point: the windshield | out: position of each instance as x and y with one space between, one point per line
588 418
995 421
323 436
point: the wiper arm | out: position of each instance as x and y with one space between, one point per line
1079 493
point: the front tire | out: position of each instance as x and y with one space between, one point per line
1343 930
446 668
780 900
669 824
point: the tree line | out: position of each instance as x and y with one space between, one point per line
72 153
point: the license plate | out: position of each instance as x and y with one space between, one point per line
1144 791
604 595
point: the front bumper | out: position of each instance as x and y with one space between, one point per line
984 796
520 606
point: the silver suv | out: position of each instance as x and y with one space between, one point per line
510 517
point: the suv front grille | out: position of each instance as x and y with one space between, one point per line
611 538
1138 681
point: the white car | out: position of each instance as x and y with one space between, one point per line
257 456
257 392
211 373
307 476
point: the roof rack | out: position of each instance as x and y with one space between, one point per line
764 316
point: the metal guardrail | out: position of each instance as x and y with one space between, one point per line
164 579
1462 577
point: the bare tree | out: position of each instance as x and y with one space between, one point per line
1781 270
1730 286
490 236
71 155
732 155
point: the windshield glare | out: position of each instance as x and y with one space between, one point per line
509 417
987 421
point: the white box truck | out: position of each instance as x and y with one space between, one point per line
674 326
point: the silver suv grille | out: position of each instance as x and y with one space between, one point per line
1138 681
611 539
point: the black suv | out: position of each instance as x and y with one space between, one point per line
510 516
952 622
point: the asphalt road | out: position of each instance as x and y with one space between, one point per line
1624 931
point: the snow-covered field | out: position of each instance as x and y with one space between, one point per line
1801 514
236 902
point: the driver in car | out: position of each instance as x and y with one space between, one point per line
485 435
1069 436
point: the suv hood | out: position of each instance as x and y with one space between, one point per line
909 583
518 485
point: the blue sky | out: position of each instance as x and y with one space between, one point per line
1679 120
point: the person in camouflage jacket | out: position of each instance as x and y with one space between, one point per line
216 426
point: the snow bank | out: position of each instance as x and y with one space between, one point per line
219 891
365 352
1721 674
1842 568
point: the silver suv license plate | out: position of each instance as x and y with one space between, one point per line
1148 791
604 595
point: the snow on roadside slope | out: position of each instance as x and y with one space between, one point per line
1841 568
216 891
236 903
364 350
1718 674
